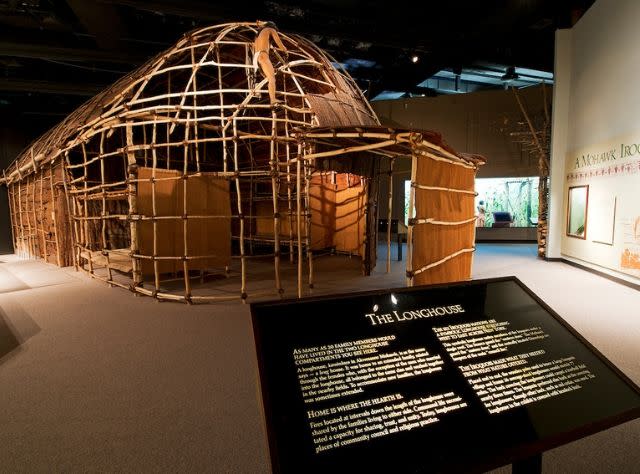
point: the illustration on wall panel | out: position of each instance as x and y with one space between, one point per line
577 211
630 256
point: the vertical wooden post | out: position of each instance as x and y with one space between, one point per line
132 190
54 217
154 209
306 167
33 232
71 212
41 209
275 182
243 263
389 213
35 239
289 184
21 247
298 217
167 125
11 188
27 213
366 244
85 207
104 215
412 193
185 217
37 210
195 106
144 140
222 113
12 217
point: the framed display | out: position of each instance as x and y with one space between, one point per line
461 377
577 208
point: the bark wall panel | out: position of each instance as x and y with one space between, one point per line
205 196
432 243
322 203
350 220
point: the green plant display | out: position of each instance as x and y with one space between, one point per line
518 196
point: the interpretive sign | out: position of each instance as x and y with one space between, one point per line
458 377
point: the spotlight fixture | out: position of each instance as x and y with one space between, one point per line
414 58
510 74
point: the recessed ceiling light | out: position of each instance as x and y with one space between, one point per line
414 59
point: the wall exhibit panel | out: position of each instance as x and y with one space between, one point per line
611 171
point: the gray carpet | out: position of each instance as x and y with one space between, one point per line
104 381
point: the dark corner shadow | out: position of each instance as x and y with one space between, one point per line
15 333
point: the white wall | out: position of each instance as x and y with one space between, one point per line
597 108
560 125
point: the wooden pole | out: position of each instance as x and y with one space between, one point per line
71 212
412 193
132 189
289 197
298 217
168 125
43 232
37 253
85 205
22 249
307 209
194 84
30 245
243 263
54 217
12 217
275 183
222 113
104 214
389 214
154 210
185 220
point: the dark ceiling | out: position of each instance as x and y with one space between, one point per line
54 54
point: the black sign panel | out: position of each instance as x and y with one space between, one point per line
460 377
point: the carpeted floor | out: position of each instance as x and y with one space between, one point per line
95 379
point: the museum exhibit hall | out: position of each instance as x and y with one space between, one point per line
315 237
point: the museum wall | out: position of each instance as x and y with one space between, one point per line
478 122
596 132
